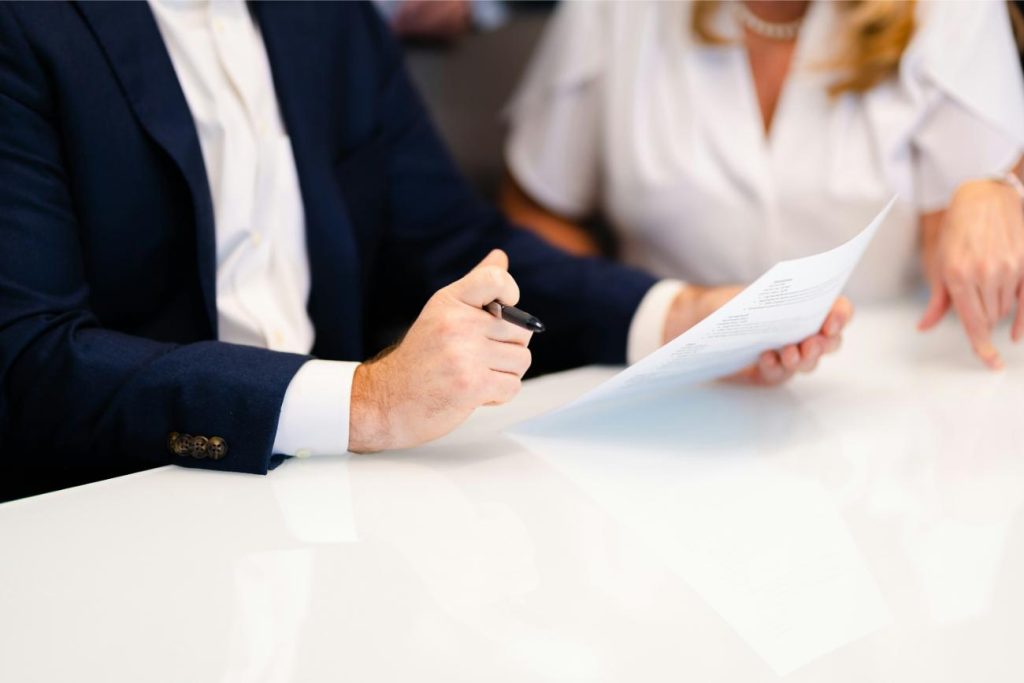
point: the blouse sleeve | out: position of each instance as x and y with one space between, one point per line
965 68
553 148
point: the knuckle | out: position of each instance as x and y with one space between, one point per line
437 301
463 381
1008 267
957 273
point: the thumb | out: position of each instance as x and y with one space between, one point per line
495 258
938 306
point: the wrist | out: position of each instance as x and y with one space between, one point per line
684 312
995 188
368 429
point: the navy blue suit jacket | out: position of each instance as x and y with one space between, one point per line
108 321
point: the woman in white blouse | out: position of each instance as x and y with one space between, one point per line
718 138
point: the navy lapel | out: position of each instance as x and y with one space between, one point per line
129 36
298 43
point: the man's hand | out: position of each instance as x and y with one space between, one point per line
455 358
975 264
773 367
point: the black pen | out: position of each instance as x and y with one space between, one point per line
515 316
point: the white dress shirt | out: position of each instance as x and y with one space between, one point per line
263 273
622 111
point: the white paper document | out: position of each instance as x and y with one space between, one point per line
785 305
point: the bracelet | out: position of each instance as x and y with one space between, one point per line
1013 181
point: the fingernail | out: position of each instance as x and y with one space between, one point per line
832 328
991 357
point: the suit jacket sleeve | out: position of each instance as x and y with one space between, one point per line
73 391
441 229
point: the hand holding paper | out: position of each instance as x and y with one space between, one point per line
775 366
787 305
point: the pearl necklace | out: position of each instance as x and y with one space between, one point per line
772 30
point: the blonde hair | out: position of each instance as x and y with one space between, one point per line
875 34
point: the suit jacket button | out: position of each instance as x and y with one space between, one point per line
218 448
199 446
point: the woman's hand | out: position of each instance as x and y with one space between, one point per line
974 261
773 367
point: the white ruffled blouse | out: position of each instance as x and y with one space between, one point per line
623 112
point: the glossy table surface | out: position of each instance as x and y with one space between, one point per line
861 524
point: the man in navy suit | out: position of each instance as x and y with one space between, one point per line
210 215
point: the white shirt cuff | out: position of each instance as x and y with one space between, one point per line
647 330
315 411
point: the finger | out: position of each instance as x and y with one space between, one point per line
938 306
841 313
496 257
832 344
509 358
1008 280
770 366
1018 323
489 281
790 356
968 306
748 375
989 293
503 331
752 373
810 352
502 387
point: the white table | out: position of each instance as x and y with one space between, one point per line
862 524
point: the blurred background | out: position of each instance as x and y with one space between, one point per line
468 78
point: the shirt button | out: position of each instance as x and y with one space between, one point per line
218 26
277 337
257 238
303 453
